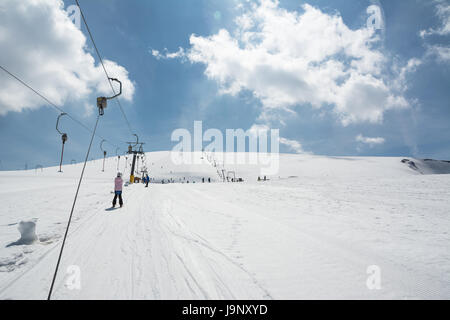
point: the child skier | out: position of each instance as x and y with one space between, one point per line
118 184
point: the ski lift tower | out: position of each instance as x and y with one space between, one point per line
135 149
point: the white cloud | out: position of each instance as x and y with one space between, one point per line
289 59
440 52
443 13
168 55
370 141
258 129
156 54
41 45
292 145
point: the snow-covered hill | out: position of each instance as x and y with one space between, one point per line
310 231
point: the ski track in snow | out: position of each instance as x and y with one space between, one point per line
310 233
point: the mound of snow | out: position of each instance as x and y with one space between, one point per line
27 231
428 166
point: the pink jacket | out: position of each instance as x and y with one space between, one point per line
118 182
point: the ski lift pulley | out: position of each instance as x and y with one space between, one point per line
102 102
64 137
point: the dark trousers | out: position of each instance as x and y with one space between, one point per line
118 194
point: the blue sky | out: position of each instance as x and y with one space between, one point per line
171 93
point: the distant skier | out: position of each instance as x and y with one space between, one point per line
147 180
118 185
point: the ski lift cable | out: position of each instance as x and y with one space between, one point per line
71 212
104 68
54 105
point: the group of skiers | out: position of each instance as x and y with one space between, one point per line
118 187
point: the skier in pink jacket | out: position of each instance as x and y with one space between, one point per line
118 184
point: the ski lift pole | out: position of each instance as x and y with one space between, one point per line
62 156
63 138
118 158
104 154
104 159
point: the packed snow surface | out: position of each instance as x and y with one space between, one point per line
312 231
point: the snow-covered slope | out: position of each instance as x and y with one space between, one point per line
311 231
